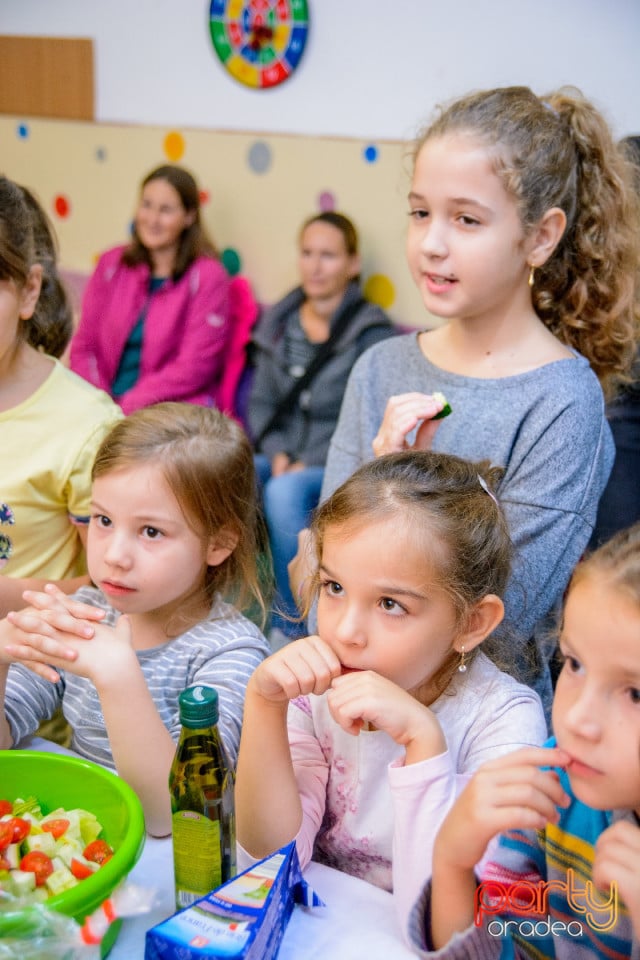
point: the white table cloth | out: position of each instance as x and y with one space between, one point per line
358 920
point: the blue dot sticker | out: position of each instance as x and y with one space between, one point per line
370 153
259 157
23 131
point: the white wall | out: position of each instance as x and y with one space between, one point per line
372 68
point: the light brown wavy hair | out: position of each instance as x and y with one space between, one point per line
456 523
558 151
207 462
616 563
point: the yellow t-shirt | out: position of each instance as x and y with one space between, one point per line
48 445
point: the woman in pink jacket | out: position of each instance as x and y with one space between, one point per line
155 320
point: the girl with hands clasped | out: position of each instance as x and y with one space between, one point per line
356 741
569 813
173 535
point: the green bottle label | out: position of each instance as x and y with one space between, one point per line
197 855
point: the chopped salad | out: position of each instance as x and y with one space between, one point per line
44 855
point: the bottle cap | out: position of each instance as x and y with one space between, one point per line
198 707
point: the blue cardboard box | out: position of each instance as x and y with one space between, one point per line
244 919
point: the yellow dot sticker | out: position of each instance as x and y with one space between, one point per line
174 146
379 289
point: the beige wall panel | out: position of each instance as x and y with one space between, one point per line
260 189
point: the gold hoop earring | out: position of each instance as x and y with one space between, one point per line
532 271
462 666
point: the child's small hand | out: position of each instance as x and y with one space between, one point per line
363 697
304 666
98 658
41 627
617 858
511 792
37 645
300 569
54 600
404 413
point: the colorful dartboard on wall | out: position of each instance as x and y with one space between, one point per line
259 42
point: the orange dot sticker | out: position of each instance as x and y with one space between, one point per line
174 145
62 206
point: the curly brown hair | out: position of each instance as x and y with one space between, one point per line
558 151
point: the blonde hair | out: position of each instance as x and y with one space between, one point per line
558 151
207 462
616 562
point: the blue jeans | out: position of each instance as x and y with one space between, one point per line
288 502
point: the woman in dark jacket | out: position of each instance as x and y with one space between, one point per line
292 436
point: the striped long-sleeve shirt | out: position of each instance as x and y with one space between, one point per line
552 912
222 652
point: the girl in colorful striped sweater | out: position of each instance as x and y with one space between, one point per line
564 879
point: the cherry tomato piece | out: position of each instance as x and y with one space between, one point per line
80 870
38 863
56 827
5 807
6 834
98 851
21 828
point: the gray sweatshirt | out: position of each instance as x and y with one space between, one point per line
546 428
304 431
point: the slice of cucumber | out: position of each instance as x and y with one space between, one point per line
446 410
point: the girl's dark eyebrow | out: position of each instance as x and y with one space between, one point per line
386 589
460 201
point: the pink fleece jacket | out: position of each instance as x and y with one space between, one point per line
186 331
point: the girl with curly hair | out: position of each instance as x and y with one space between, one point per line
523 239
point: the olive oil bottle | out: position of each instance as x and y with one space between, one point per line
201 785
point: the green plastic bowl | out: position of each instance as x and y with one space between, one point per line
55 781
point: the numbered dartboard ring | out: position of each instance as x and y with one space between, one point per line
259 42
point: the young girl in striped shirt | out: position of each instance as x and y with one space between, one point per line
173 535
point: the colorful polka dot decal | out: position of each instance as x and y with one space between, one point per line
379 289
174 146
231 261
62 206
259 159
326 201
